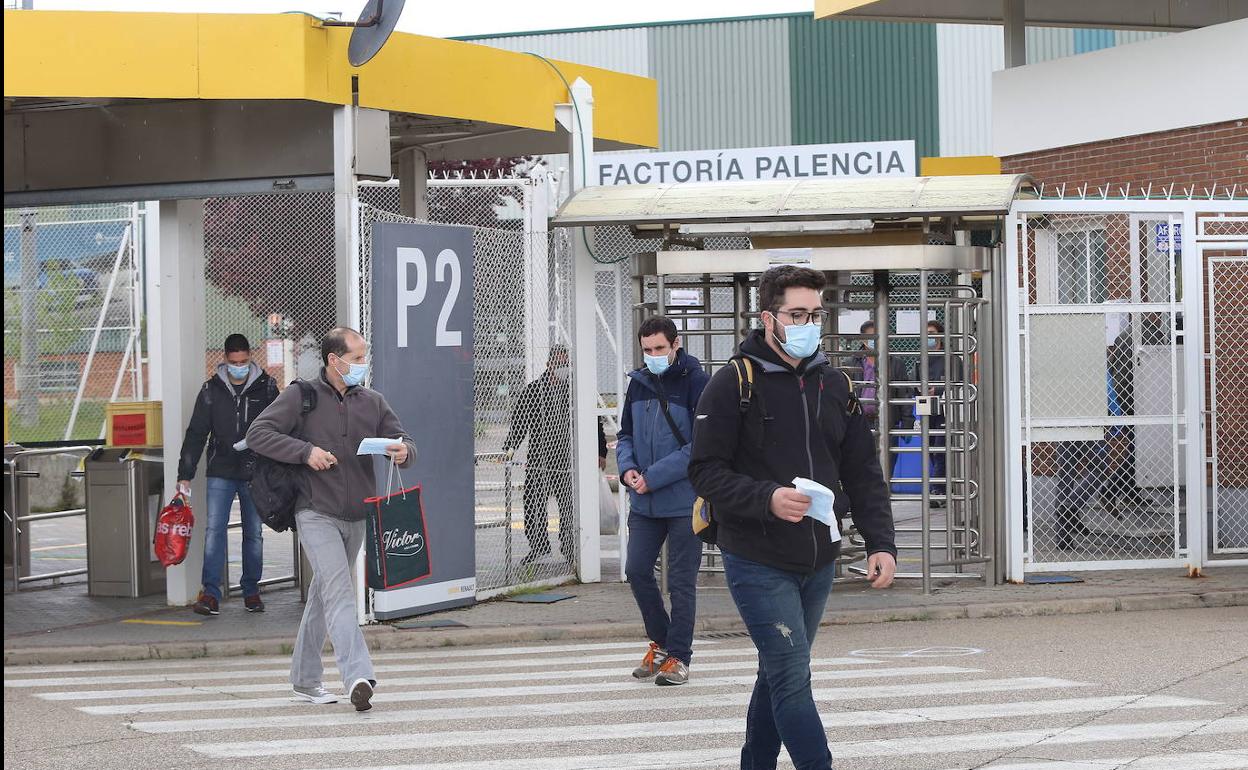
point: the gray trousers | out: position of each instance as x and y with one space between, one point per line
332 546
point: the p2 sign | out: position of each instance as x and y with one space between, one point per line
421 357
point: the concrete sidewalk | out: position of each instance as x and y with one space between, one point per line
62 625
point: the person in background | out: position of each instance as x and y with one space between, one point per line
653 455
937 366
883 415
227 404
543 416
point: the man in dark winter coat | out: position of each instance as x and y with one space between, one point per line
800 421
543 415
653 455
224 410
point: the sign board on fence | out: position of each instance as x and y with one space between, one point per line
1162 230
856 159
422 363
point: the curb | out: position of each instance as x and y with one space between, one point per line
386 638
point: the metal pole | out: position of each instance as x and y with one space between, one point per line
507 502
924 446
15 531
882 370
663 569
28 373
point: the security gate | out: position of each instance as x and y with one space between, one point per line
1227 413
1127 342
938 458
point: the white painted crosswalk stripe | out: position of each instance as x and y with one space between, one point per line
546 709
890 747
211 675
423 681
672 760
1200 760
899 716
859 692
440 652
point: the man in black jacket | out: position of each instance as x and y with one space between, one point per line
224 410
801 421
543 415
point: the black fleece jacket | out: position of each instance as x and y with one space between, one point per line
799 424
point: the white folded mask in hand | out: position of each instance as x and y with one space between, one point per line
375 446
822 502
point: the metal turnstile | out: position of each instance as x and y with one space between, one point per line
947 524
124 492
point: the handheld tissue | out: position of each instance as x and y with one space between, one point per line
822 501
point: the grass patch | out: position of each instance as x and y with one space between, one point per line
53 417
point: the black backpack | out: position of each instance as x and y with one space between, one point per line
275 486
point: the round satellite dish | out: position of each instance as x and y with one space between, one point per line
373 29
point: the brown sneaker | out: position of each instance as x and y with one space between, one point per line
672 672
205 605
650 664
254 603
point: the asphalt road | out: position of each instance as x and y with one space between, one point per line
1141 690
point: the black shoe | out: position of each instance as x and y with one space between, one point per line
1068 526
533 556
206 605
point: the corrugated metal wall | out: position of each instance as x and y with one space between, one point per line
791 80
967 55
722 84
622 50
1047 43
864 81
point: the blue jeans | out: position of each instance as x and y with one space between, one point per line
782 611
684 555
221 493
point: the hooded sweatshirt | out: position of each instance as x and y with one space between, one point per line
220 419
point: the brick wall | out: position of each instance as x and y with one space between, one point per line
1201 155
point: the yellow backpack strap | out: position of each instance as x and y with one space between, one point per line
745 382
852 404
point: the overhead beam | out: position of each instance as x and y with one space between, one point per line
1158 15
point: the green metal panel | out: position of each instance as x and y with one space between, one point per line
723 84
855 81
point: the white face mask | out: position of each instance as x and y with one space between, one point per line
561 373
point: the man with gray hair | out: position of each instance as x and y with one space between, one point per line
331 509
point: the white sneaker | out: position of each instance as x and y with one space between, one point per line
361 694
318 695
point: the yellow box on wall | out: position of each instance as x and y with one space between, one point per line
964 165
133 424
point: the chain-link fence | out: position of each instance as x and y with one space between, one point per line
269 262
73 300
523 367
1103 382
1226 276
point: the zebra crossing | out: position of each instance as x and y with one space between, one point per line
574 707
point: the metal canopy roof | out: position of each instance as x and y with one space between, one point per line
1115 14
793 200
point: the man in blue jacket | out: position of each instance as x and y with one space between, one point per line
653 456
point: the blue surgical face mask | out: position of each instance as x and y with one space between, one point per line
931 343
870 344
238 371
355 374
801 342
657 364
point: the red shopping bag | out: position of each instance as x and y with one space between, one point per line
173 531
